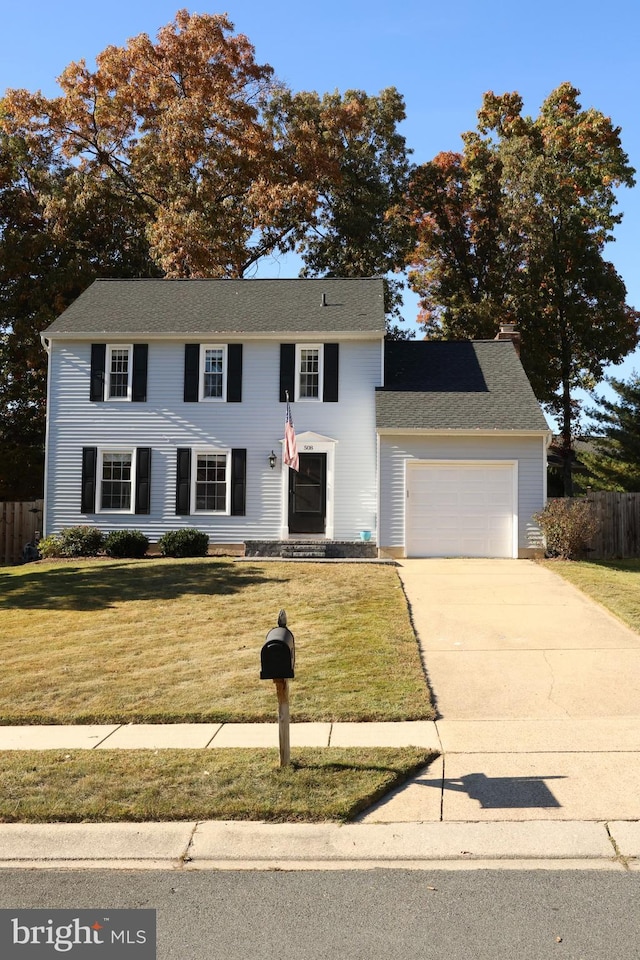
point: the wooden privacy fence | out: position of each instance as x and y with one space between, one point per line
619 533
19 523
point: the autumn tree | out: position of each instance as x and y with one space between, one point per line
614 464
53 243
359 227
514 227
179 123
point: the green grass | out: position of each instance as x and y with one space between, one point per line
49 786
161 640
613 583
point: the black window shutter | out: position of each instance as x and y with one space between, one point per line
191 372
143 480
98 361
89 461
238 483
139 383
287 371
234 373
330 391
183 482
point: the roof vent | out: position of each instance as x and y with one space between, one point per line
324 299
509 331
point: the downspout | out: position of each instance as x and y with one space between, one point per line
46 343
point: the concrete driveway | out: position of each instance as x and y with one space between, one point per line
510 640
538 696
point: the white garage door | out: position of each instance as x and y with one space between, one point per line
460 509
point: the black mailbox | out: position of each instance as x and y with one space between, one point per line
278 655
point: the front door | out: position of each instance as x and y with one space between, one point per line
308 494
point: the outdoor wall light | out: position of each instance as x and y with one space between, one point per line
272 460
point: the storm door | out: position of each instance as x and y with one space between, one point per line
308 494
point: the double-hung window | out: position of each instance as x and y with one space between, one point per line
119 370
211 493
309 371
210 480
213 372
116 479
309 359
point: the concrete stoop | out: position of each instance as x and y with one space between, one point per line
312 549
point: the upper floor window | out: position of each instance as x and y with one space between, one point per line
213 372
119 369
308 371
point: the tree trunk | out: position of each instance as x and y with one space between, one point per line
567 417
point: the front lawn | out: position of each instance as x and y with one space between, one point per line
73 786
613 583
162 640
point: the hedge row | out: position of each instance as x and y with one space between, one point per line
85 541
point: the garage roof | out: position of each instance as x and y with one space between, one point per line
260 307
467 385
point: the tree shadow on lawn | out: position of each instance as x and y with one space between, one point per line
93 586
624 566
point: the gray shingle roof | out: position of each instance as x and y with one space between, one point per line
165 307
434 385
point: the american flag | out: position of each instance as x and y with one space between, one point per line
290 446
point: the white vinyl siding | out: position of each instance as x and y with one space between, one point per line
166 423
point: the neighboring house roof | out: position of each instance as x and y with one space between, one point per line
467 385
111 308
579 446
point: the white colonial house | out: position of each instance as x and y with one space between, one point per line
166 409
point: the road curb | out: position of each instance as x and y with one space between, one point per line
245 845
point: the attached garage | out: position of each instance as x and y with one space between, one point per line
462 451
461 509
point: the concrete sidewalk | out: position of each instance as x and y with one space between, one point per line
161 736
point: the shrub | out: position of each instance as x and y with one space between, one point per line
568 526
126 543
50 546
184 543
72 542
80 541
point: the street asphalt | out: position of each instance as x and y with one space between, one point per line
538 692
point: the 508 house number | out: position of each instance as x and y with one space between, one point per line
308 447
